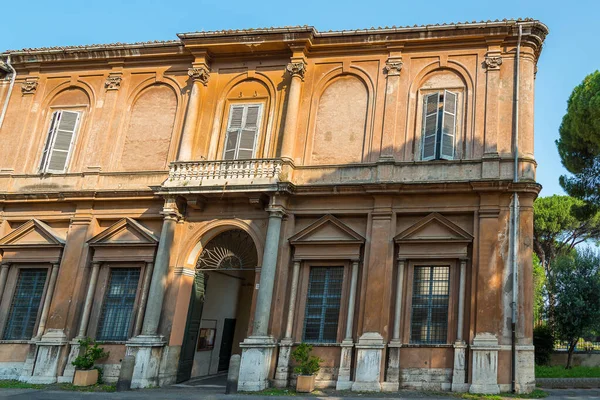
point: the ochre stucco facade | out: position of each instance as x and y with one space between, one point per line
365 156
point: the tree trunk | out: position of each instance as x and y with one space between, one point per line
572 345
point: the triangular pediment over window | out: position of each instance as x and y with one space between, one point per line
125 240
32 242
327 238
33 233
434 236
125 231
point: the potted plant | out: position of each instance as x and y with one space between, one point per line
89 353
306 369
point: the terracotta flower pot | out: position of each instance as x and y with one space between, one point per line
85 377
305 383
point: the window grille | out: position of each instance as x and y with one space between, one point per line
429 321
25 304
117 308
323 304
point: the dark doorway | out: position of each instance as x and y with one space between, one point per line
226 343
192 328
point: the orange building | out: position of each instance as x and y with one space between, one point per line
239 192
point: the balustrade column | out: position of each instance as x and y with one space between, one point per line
199 75
89 299
3 276
47 300
296 69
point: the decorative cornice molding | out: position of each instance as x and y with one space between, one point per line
393 67
297 68
199 73
493 62
113 82
29 86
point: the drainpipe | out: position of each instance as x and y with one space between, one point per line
515 215
10 88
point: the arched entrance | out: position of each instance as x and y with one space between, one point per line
220 304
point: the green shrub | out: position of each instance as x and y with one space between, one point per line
307 364
89 353
543 340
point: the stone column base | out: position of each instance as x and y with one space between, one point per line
525 369
459 371
46 358
485 364
392 376
147 350
69 372
282 372
343 379
369 351
255 365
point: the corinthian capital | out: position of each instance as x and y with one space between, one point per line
296 69
393 67
200 73
493 62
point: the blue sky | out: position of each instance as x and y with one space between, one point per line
570 53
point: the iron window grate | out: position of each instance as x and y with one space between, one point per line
323 304
429 320
117 308
25 304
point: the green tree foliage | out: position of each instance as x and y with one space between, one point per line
543 340
539 283
579 142
577 290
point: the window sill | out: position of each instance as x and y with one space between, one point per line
19 341
314 344
111 341
428 345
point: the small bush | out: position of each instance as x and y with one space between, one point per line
308 365
89 354
543 340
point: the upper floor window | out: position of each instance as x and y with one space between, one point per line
242 131
439 125
59 144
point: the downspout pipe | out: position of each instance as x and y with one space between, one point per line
10 89
515 215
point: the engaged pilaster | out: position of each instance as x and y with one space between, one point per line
343 380
392 378
393 67
460 348
296 68
492 63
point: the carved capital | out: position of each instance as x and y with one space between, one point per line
393 67
493 62
113 82
296 69
200 74
29 87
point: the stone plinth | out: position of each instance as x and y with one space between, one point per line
485 364
369 350
147 350
343 379
282 373
47 358
525 369
392 377
257 352
69 372
459 371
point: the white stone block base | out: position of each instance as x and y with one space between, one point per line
459 371
343 378
282 372
525 369
147 350
426 378
485 364
369 351
255 364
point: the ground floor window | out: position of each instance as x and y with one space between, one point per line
323 304
117 309
430 299
25 304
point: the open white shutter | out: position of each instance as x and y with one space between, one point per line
61 139
49 139
448 126
249 132
236 115
430 125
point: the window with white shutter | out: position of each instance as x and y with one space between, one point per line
242 131
439 125
59 144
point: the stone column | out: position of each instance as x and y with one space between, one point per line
47 300
296 69
89 300
392 378
199 74
147 347
3 275
343 381
491 160
257 350
285 346
392 69
459 371
142 308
